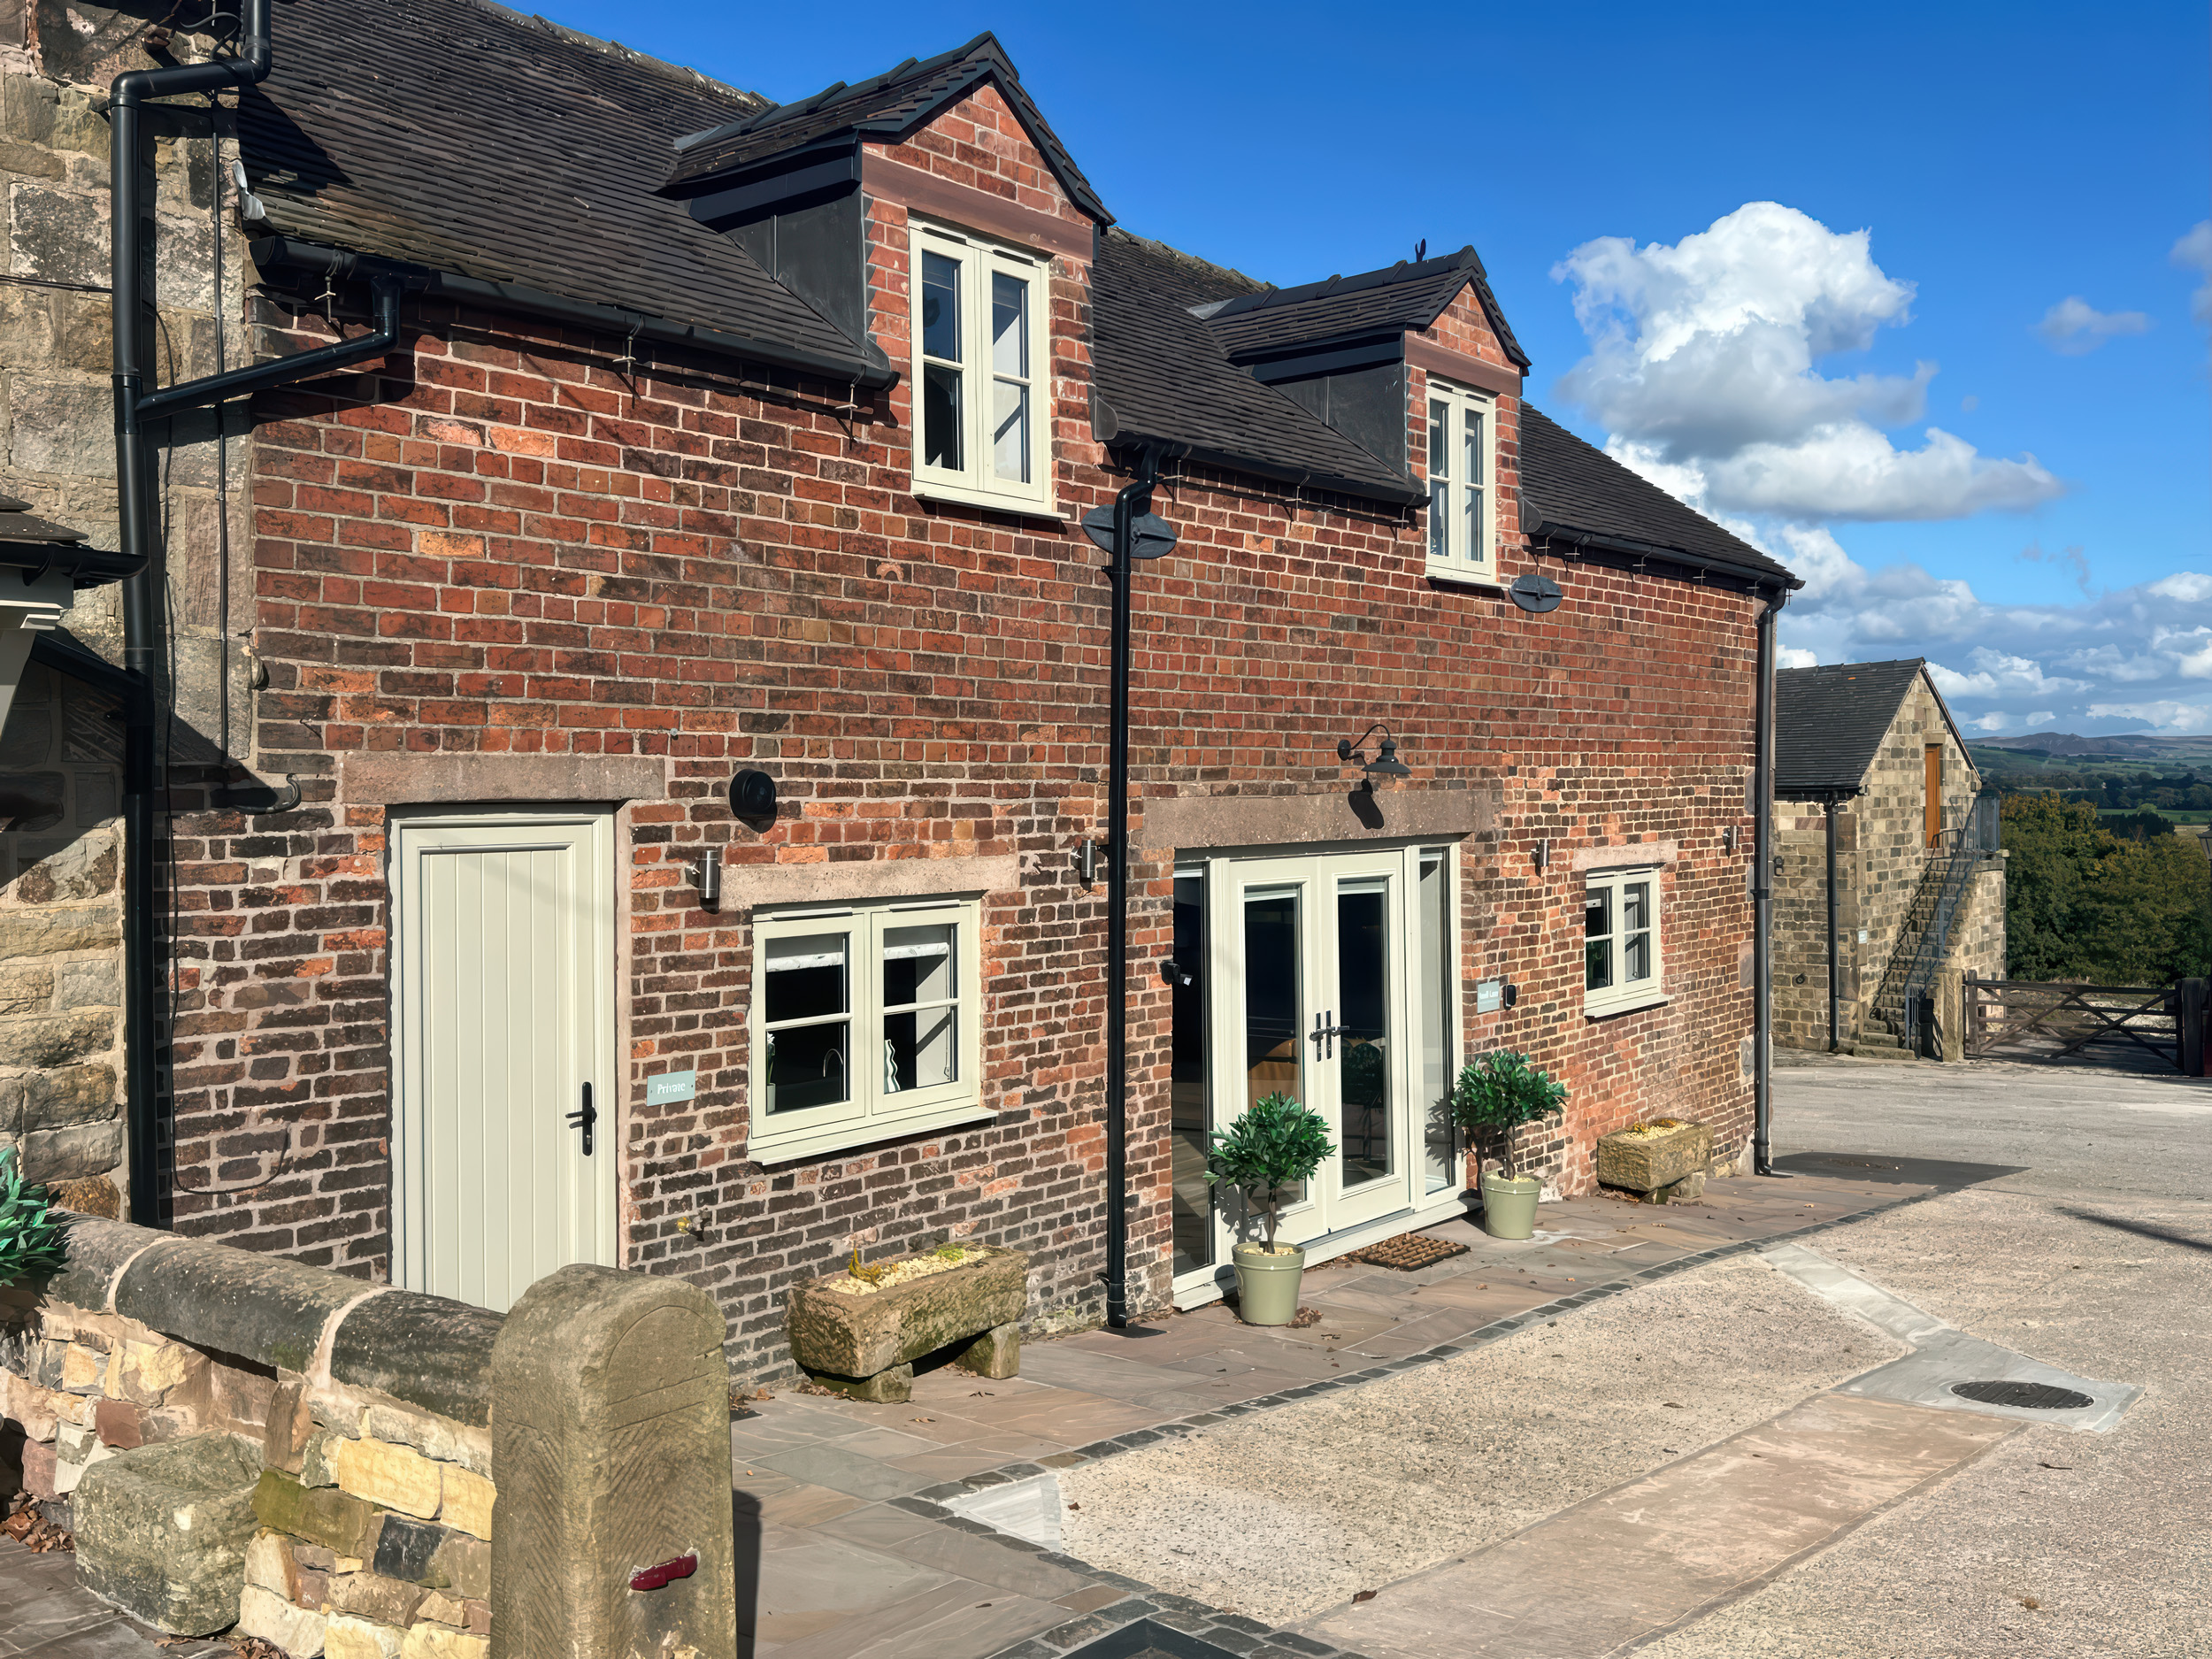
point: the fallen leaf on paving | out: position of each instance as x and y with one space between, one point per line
2029 1602
982 1393
1075 1506
1363 1595
1671 1406
2057 1465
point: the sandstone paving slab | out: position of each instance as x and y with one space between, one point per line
841 1471
805 1505
956 1620
1647 1555
809 1582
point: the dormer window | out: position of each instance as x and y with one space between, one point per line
1462 449
981 391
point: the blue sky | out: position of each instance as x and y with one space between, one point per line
2000 161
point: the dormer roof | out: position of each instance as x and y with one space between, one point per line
887 107
1408 295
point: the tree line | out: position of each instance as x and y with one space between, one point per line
2083 903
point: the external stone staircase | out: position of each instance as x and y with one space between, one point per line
1923 942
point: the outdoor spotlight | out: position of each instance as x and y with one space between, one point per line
1386 763
706 878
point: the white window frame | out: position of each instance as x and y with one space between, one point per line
872 1111
1625 993
977 481
1457 550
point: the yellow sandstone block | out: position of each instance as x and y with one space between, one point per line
346 1636
82 1367
442 1641
468 1501
397 1476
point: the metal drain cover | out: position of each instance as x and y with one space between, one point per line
2032 1396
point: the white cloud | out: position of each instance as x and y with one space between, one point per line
2190 586
1795 656
1703 367
1997 674
2172 717
2041 716
2073 327
2194 249
1991 723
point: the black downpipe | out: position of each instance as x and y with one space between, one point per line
1762 903
1835 966
144 642
1134 500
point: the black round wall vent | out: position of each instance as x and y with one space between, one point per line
2030 1396
753 794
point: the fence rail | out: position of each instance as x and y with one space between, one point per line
2049 1020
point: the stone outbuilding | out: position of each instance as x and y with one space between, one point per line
1875 793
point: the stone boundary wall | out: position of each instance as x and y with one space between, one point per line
367 1408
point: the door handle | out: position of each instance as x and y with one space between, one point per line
1325 1035
585 1117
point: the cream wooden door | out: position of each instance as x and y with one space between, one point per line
503 1053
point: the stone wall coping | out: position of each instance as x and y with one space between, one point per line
424 1351
749 886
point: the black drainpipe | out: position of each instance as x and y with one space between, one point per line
1835 966
131 282
1134 500
1762 901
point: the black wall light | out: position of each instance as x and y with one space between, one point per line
753 794
1386 763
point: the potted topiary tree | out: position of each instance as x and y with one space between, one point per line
1497 1097
1274 1143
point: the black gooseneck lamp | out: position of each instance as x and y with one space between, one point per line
1386 763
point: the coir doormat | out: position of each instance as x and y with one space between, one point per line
1406 1252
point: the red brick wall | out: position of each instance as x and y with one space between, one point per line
504 545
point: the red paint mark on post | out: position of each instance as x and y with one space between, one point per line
666 1573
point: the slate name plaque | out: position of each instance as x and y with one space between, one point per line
1489 995
671 1086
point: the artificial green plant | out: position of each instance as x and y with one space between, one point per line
1275 1142
31 1237
1499 1094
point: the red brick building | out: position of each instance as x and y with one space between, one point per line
665 484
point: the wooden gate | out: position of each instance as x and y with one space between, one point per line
2033 1019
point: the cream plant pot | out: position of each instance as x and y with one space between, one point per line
1508 1206
1267 1283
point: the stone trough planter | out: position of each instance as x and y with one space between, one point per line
1660 1165
865 1346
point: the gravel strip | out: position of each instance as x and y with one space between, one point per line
1283 1515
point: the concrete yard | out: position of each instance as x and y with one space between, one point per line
1281 1515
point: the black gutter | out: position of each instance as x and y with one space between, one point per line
1549 530
218 388
85 566
287 252
1763 900
1176 449
1133 500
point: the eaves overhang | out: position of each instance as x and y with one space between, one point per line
867 366
1578 539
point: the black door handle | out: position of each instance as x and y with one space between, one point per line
585 1117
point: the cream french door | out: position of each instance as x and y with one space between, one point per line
503 1151
1309 965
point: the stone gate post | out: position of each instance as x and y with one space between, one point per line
610 1450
